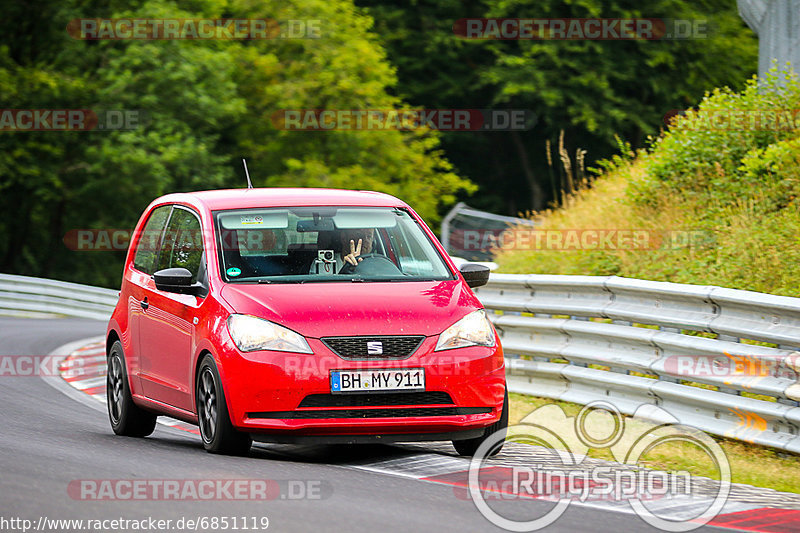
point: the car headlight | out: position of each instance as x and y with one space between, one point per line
252 333
472 330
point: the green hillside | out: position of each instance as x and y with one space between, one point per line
718 190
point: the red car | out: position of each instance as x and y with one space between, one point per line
296 315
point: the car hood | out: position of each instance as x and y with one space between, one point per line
345 309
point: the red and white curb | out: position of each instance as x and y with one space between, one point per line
84 369
747 508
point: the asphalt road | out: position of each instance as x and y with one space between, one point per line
48 439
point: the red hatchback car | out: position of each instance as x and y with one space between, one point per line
296 315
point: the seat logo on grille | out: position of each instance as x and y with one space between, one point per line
374 348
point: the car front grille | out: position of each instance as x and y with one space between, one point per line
403 412
375 347
377 400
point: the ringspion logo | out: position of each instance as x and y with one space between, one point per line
570 478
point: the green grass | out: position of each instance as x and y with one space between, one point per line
737 193
753 250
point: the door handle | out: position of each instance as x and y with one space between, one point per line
144 303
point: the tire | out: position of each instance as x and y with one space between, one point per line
216 430
468 447
126 417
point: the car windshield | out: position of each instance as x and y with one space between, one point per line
325 244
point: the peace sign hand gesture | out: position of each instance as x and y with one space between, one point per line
352 257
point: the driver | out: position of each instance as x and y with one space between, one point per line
354 242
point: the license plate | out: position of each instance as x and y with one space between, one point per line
406 379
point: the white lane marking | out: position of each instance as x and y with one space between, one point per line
58 383
89 383
677 508
85 361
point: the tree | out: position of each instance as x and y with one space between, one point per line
591 89
207 103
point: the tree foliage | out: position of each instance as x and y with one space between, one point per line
207 103
593 90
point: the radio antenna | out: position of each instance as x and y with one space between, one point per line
246 173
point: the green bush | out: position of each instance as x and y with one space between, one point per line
775 171
702 155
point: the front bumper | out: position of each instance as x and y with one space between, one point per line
264 391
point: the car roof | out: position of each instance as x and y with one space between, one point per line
281 197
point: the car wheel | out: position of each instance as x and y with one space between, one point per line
470 446
126 417
216 430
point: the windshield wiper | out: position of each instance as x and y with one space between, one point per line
385 280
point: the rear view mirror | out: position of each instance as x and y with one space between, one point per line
317 224
475 275
177 280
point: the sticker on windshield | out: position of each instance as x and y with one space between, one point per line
252 219
233 272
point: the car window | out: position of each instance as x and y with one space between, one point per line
310 244
412 254
183 243
147 246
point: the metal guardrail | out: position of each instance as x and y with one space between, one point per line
584 338
464 229
25 295
637 343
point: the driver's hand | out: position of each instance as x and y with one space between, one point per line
355 251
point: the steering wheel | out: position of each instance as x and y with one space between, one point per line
375 264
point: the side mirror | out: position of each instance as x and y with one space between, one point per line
475 275
177 280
